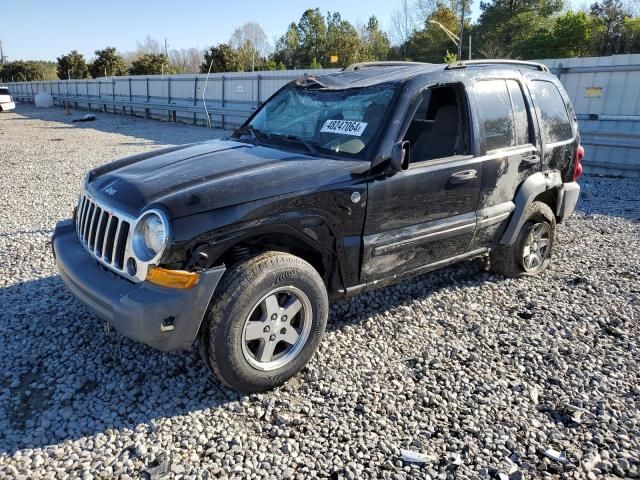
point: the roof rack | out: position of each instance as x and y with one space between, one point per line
467 63
359 66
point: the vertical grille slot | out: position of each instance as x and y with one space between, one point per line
121 243
102 227
87 223
93 229
110 239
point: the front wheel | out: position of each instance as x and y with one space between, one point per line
530 254
266 322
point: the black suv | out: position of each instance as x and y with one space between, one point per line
338 183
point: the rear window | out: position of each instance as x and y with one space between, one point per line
496 114
4 91
555 125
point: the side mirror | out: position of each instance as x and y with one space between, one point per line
400 156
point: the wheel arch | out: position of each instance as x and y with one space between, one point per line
540 186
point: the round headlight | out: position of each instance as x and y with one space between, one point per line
150 236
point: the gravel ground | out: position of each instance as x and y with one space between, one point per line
466 373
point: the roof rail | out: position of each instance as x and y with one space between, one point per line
359 66
467 63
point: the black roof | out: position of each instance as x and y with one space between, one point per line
373 75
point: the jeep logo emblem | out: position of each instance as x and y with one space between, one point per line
110 191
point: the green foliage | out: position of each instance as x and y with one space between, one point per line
342 40
632 34
450 57
315 64
150 64
431 43
107 63
72 65
312 32
23 71
375 42
225 59
609 17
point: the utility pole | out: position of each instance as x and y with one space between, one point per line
2 57
166 47
461 31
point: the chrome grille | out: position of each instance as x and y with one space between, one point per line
104 233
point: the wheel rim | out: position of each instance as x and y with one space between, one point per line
277 328
536 246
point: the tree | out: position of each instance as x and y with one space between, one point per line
431 44
24 71
375 42
150 64
287 50
632 34
185 60
342 40
312 32
107 63
72 65
403 26
251 43
504 23
609 16
225 59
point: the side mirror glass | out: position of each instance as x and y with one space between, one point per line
400 156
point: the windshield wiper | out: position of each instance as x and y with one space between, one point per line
256 135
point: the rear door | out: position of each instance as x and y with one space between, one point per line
425 215
511 151
558 134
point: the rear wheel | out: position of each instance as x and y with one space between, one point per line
266 323
531 253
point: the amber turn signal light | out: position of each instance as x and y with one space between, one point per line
172 278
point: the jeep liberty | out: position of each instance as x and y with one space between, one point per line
338 183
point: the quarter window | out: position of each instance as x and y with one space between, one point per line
552 112
496 114
520 113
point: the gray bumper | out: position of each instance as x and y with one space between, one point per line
137 310
567 200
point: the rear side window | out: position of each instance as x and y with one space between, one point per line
552 112
520 113
4 91
496 114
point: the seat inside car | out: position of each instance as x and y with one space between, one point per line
440 140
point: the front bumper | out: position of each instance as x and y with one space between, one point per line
567 200
5 107
141 311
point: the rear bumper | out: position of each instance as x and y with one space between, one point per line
7 106
141 311
567 200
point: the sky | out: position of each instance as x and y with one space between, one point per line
44 30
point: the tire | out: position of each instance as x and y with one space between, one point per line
234 340
509 260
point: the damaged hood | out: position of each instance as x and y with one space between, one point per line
196 178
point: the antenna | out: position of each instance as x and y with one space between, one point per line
204 89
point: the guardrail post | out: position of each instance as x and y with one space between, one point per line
259 82
195 98
223 100
169 97
147 82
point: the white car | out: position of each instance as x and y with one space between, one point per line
6 102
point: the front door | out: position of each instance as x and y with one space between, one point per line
425 215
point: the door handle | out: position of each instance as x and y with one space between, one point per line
531 160
463 176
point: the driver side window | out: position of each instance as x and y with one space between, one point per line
438 127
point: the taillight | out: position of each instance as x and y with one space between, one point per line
577 166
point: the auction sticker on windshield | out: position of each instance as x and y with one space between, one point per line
344 127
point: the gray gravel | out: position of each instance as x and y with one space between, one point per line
456 374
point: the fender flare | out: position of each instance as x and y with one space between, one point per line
532 187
